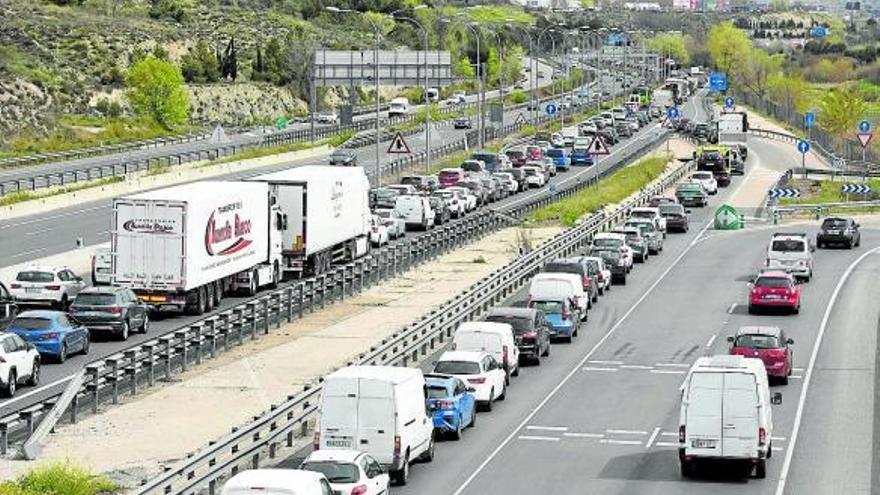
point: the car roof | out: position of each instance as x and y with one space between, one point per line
106 289
474 356
514 312
42 268
40 313
340 455
775 274
759 330
277 480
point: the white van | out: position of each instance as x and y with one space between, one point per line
608 117
416 211
277 482
791 252
559 286
102 267
433 95
398 106
496 339
378 410
725 413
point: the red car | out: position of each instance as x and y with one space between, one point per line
767 344
661 200
775 289
534 153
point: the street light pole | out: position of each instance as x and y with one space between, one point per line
481 97
548 29
427 101
500 73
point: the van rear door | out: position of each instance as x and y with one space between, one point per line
703 420
475 340
740 426
376 415
339 418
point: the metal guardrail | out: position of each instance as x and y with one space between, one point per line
818 210
250 445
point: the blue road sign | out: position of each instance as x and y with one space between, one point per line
616 39
551 108
819 32
864 126
803 147
718 81
809 119
672 113
728 102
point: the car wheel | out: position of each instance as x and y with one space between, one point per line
62 356
623 280
11 383
761 469
503 394
819 245
473 417
796 310
145 327
63 303
783 380
428 455
751 309
516 371
537 359
687 469
401 476
34 379
456 435
87 345
849 244
547 350
595 298
491 400
123 334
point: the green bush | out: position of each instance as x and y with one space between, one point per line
518 96
64 479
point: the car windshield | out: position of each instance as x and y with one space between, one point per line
514 154
437 392
555 153
443 194
449 174
711 155
548 307
757 341
341 153
788 246
614 243
667 208
608 255
31 323
484 157
457 368
834 223
642 226
690 187
519 324
412 181
387 193
772 282
471 167
95 300
563 268
702 176
530 171
35 277
336 472
384 213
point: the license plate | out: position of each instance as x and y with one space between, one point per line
701 443
33 289
833 232
344 444
103 270
772 296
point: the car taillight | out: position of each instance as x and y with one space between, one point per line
116 310
397 446
15 286
601 277
775 353
587 281
2 359
762 436
504 355
576 300
681 434
50 336
53 287
359 490
478 380
375 229
316 441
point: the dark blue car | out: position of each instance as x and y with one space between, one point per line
559 317
560 158
580 157
53 333
452 404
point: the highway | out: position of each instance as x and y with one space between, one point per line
55 376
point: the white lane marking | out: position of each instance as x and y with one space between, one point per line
611 331
666 444
539 439
636 367
673 365
797 369
777 439
593 368
25 253
669 372
732 308
777 449
584 435
21 397
626 432
37 232
605 362
802 400
669 434
621 442
547 428
653 437
796 377
711 340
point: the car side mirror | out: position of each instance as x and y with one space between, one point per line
777 399
687 211
789 341
730 339
30 346
78 279
471 389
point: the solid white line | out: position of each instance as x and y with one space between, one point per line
669 372
731 309
777 439
547 428
653 437
37 232
621 442
626 432
25 253
666 444
605 362
584 435
673 365
797 377
593 368
611 331
539 439
712 340
4 404
636 367
669 434
802 400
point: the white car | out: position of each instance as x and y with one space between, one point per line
349 472
55 286
587 128
557 140
102 267
791 252
508 180
394 223
604 272
19 363
480 370
534 176
470 201
277 482
378 231
651 213
707 180
327 118
455 203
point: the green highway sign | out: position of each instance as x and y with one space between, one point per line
728 218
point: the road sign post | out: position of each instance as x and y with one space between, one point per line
804 148
729 102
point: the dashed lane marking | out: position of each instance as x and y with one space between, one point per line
538 438
547 428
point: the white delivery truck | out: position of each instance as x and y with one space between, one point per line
398 107
663 98
328 215
378 410
182 248
733 130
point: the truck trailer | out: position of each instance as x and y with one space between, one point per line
328 215
183 248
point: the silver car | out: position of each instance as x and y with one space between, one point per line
652 236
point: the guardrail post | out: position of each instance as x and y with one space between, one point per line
93 370
301 288
211 336
131 369
323 289
182 347
151 375
4 437
197 343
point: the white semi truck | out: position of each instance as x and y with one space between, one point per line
183 248
328 215
733 131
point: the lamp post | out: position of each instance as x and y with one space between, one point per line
376 80
427 101
549 29
472 26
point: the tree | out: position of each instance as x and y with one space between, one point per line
156 91
840 111
759 68
728 47
200 64
670 44
170 9
789 91
493 67
464 68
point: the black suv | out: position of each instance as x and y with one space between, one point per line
530 331
8 307
836 230
111 309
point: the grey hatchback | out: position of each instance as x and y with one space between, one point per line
111 309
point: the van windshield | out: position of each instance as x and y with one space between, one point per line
336 472
457 368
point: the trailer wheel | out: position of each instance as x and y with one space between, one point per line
252 285
276 275
218 293
209 296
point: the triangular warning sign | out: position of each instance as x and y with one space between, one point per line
398 145
865 138
520 118
598 146
218 136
